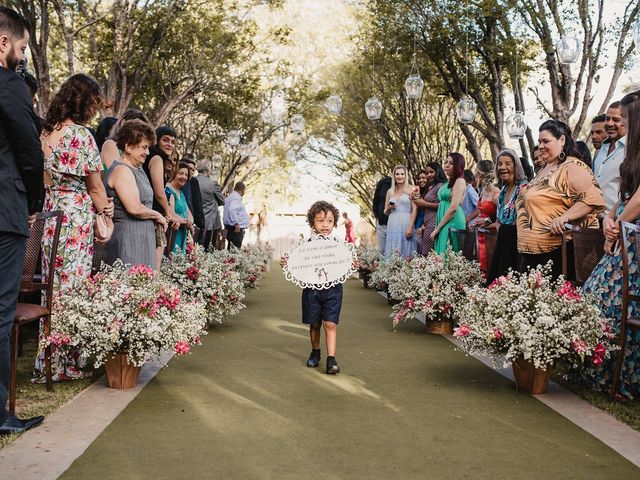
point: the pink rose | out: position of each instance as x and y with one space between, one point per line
497 334
182 348
193 272
580 346
461 331
569 292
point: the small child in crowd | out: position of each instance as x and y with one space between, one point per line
322 307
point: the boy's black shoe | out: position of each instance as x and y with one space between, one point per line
314 359
332 366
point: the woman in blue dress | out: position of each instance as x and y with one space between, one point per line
605 282
402 215
178 202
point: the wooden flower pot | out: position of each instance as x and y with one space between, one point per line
365 276
528 378
438 327
120 373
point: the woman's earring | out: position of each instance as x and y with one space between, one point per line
562 156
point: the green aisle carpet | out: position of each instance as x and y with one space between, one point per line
407 405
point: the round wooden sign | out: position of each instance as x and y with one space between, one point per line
320 262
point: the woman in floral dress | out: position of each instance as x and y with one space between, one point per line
74 186
605 282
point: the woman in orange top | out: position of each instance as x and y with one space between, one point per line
563 191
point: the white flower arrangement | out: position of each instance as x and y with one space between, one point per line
249 263
388 272
124 309
368 258
435 286
206 278
530 316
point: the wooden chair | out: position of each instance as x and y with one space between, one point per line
464 241
490 239
629 239
29 312
587 248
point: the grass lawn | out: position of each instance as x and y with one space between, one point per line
34 399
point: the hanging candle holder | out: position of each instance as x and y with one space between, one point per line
373 108
413 86
466 110
233 138
568 49
636 36
334 104
297 123
516 125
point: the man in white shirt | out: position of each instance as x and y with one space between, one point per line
606 165
235 216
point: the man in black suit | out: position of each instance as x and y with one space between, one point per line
379 199
21 166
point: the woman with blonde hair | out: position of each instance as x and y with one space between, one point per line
402 214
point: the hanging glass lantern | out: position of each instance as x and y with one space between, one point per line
233 138
568 48
297 123
334 104
373 107
414 85
466 110
636 36
244 150
516 125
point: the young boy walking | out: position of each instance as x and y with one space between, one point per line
322 307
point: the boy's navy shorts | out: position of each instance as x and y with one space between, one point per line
318 305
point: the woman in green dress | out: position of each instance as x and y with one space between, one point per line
178 202
450 195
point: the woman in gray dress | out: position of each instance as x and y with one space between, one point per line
134 239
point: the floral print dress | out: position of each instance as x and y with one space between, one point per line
605 283
75 157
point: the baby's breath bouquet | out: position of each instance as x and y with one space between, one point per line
388 272
129 310
435 286
368 258
206 278
248 263
529 316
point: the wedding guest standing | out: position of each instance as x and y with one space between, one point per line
418 192
435 179
178 204
485 214
348 227
211 199
134 239
563 191
20 189
605 282
450 195
74 186
378 208
235 216
159 167
470 202
109 151
402 215
512 180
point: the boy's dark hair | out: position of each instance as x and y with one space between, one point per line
598 118
324 207
468 176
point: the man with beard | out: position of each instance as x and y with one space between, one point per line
606 165
598 133
21 168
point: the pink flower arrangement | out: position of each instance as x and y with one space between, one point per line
182 348
192 273
144 270
57 339
461 331
599 354
569 292
580 346
169 299
497 282
497 333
